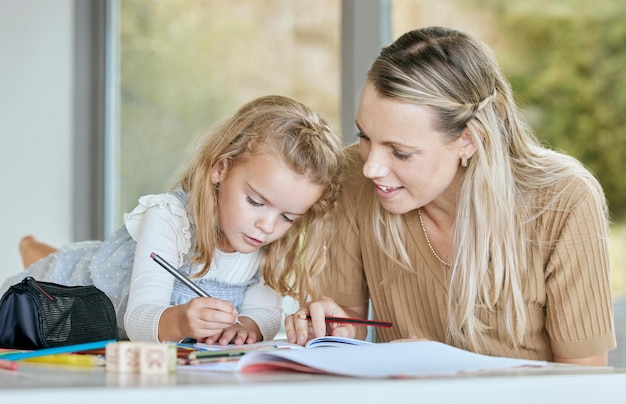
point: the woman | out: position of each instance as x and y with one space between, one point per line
457 224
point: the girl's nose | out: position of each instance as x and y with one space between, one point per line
266 224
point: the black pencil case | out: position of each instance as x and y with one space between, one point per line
36 315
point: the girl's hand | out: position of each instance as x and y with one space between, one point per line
236 334
205 317
299 330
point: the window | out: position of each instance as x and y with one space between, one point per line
185 65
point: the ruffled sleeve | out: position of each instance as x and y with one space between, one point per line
173 207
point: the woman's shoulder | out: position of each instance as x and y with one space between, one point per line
354 177
353 155
571 190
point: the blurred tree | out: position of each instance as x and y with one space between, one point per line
566 60
169 87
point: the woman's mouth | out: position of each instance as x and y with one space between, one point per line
387 192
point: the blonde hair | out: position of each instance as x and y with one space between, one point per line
458 79
308 145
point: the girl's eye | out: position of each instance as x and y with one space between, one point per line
287 219
361 136
400 155
253 202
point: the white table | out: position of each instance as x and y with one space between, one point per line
47 384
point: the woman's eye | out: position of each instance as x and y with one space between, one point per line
361 136
253 202
400 155
288 219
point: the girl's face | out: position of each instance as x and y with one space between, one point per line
259 198
404 156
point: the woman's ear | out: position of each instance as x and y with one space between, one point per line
468 147
218 172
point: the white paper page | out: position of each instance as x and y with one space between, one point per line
276 343
334 341
282 343
396 359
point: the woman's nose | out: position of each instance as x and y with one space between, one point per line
374 169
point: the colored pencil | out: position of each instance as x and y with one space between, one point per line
346 320
57 350
69 359
8 365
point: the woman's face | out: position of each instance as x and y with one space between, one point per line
259 199
404 156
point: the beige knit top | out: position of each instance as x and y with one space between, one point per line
567 296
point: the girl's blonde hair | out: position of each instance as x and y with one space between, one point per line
308 145
458 78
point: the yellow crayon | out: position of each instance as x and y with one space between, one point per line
83 360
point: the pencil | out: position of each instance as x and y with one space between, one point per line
8 365
346 320
216 354
182 278
69 359
57 350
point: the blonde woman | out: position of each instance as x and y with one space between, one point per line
457 224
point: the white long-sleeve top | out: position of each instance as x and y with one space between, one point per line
160 224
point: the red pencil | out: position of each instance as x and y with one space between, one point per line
346 320
8 365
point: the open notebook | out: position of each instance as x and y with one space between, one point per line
357 358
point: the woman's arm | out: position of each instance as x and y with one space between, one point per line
579 307
599 360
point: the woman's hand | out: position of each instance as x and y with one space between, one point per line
299 329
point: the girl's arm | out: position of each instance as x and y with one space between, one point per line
159 224
263 306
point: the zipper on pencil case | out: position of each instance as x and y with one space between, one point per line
30 280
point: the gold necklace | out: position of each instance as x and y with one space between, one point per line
429 244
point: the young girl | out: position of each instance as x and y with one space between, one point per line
247 222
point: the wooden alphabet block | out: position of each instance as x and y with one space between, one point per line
157 358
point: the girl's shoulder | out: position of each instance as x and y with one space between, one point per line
169 201
160 208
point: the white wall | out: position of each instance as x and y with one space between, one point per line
36 79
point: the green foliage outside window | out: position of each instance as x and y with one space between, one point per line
567 63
